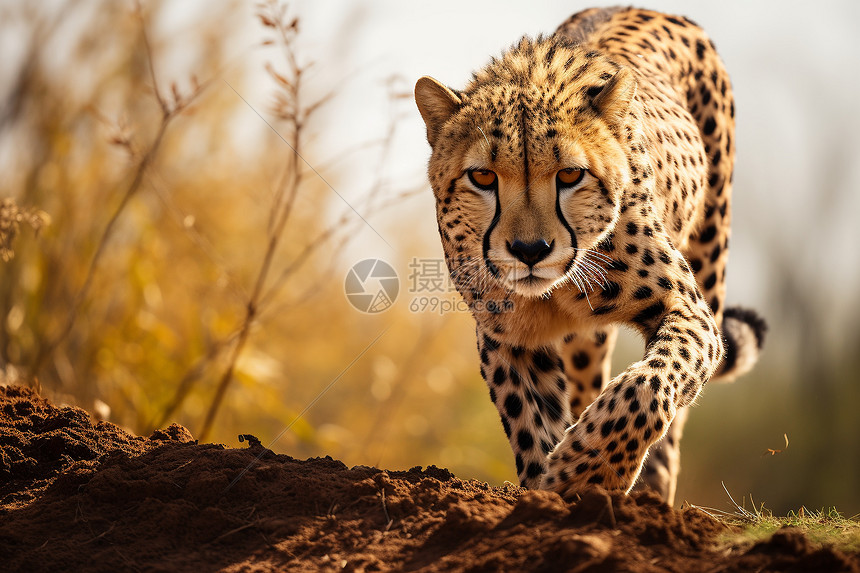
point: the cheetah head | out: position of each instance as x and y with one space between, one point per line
528 165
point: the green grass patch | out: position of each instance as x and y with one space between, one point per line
826 526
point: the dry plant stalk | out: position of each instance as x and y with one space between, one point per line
267 301
171 106
294 114
288 107
11 217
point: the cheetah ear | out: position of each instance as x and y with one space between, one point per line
614 99
436 103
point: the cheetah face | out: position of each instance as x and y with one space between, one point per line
532 229
528 178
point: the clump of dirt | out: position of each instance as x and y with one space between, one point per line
78 495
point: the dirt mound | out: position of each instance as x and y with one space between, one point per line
78 495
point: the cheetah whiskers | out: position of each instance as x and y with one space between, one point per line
580 280
471 274
591 273
489 148
593 269
588 275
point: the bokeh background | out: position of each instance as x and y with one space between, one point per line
193 268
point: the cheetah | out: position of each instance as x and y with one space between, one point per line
583 182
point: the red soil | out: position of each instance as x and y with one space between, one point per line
78 495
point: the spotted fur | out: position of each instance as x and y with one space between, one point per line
639 107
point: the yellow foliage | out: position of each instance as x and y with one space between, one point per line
164 207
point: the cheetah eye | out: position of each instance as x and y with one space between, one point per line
483 179
567 178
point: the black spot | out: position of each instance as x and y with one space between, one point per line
605 309
709 127
515 377
631 249
656 363
647 259
513 406
597 383
499 376
643 292
543 360
611 290
525 440
649 313
700 49
632 229
506 426
716 253
615 458
708 234
519 461
597 479
581 360
493 395
606 245
710 281
553 407
606 428
655 383
580 469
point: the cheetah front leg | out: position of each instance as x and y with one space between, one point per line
610 441
660 471
587 357
529 389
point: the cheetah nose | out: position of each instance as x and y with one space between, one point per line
530 253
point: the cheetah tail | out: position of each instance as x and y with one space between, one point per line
744 332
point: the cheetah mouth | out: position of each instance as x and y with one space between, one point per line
532 282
